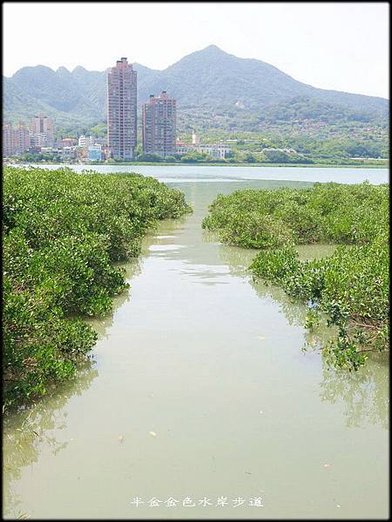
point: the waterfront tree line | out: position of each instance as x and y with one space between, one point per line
63 236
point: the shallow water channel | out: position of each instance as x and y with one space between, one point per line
206 394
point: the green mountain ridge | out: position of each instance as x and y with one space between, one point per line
213 89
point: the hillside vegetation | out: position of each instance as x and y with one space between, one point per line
214 90
351 287
62 234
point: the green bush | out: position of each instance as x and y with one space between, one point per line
326 212
351 286
62 233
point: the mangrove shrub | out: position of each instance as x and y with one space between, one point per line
62 234
351 286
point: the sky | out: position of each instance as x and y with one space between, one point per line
331 45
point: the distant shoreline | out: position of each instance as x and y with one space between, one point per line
201 164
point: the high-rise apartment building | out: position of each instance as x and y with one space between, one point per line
16 141
21 138
159 125
42 131
8 140
122 110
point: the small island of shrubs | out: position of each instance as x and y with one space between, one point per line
351 286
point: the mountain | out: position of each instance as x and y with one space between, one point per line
213 77
213 89
20 105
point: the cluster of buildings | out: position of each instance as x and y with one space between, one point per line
21 138
85 148
159 116
39 138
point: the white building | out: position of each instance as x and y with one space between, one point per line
217 151
184 148
85 141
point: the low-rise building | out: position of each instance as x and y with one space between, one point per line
85 141
68 142
216 151
68 153
94 152
183 148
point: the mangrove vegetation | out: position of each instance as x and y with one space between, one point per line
64 235
351 286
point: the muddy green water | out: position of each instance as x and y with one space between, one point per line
201 385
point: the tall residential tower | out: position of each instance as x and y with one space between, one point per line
159 125
42 132
122 115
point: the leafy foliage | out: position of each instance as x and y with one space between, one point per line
62 233
351 286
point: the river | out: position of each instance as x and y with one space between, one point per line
204 396
192 173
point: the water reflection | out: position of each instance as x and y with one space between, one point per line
102 324
151 244
238 260
363 393
29 432
33 430
173 365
